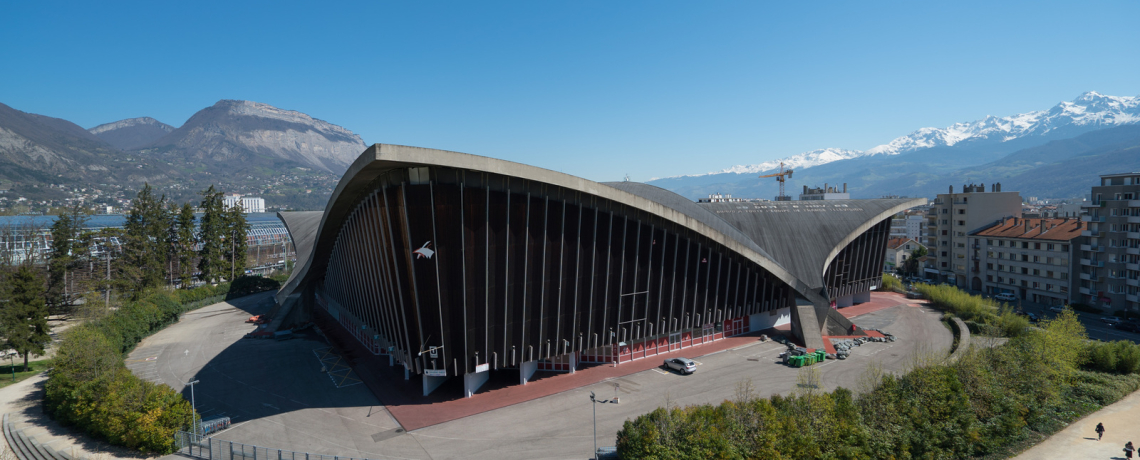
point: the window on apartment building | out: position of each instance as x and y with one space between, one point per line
1024 270
1024 283
1001 279
1036 259
961 211
945 232
943 264
1064 275
1049 273
1025 257
1024 245
1036 245
959 233
1113 212
945 211
1001 267
989 278
989 266
960 268
989 242
960 245
1065 247
945 243
1064 289
945 221
1048 287
1049 247
1036 285
943 252
1036 272
961 222
1049 260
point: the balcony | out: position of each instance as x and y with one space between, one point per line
1092 204
1089 277
1134 203
1085 291
1092 218
1132 298
1132 282
1133 251
1132 266
1133 235
1092 263
1091 233
1134 219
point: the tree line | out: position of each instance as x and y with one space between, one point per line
160 244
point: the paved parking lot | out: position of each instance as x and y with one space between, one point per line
278 397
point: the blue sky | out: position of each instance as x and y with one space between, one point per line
595 89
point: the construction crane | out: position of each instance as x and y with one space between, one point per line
780 176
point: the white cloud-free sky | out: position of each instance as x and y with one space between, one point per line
591 88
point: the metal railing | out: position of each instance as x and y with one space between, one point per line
199 446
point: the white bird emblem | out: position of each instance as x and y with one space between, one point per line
424 251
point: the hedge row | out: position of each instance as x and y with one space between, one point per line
90 388
990 403
993 318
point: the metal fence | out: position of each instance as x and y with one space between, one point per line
199 446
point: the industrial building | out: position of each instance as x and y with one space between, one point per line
455 265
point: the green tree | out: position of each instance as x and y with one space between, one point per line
24 315
211 230
145 241
184 240
911 264
67 252
236 229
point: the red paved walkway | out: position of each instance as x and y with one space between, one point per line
405 401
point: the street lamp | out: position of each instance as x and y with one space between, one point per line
594 403
193 408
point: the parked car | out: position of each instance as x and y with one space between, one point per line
1127 326
1005 297
682 365
1111 319
1032 317
1057 309
913 295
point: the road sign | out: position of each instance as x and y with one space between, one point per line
435 372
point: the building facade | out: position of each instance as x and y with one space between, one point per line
951 219
1033 259
455 265
825 193
247 203
1110 261
899 249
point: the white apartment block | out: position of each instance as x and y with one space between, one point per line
951 219
248 203
1033 259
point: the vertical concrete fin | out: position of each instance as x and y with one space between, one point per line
431 383
805 323
472 382
526 371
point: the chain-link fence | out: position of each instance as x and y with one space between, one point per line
215 449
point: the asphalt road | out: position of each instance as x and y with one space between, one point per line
277 395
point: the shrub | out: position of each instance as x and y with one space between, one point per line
1121 357
890 283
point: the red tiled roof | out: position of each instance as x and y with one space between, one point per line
896 242
1037 229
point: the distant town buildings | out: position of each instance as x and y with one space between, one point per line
824 193
1110 262
951 219
719 198
1031 258
248 203
899 249
911 224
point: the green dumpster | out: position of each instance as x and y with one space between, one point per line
820 355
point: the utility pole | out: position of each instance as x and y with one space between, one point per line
107 291
233 241
193 409
595 404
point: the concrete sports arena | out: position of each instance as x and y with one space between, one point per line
456 265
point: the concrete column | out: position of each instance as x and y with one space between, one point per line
864 296
573 362
472 382
431 383
526 371
407 373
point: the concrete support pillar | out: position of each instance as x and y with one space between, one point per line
472 382
391 360
407 373
573 362
526 371
844 301
864 296
431 383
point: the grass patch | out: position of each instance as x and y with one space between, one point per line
34 367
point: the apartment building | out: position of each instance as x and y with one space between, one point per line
248 203
1110 262
909 225
1033 259
951 219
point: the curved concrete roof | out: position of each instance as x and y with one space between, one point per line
302 227
780 228
746 236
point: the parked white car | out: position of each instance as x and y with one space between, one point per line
1005 297
682 365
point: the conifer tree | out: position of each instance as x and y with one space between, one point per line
211 231
145 242
67 252
24 315
185 240
236 229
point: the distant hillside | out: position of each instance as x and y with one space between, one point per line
251 138
132 133
43 150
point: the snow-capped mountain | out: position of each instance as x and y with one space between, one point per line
1090 111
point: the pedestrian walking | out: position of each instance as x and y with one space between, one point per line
1099 431
1128 450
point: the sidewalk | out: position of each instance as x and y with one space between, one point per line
1121 424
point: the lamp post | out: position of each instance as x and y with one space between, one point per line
594 403
193 408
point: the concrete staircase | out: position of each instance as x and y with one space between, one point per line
24 441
